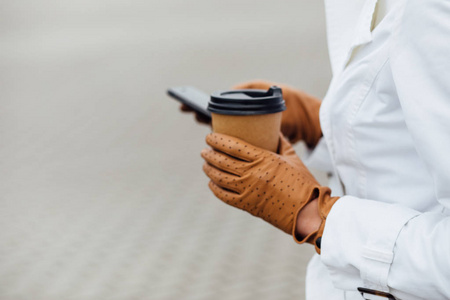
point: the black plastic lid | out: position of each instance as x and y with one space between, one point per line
247 102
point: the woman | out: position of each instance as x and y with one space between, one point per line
383 129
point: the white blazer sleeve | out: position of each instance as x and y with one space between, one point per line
421 70
390 247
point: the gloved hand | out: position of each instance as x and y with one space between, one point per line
300 121
274 187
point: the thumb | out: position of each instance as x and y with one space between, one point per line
284 147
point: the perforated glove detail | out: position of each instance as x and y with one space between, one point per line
271 186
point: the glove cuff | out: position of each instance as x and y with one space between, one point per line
325 202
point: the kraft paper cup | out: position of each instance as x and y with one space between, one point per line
262 131
250 115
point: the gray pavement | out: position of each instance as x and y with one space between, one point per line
101 190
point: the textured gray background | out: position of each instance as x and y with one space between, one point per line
101 190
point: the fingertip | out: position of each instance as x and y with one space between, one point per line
208 137
212 139
211 184
219 141
204 153
213 187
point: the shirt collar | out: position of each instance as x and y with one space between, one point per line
364 27
349 25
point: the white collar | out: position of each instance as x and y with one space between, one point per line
349 25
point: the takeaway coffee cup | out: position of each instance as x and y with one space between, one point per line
251 115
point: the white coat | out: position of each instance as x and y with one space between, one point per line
386 127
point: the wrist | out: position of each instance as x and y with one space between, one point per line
308 219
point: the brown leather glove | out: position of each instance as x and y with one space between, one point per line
300 120
274 187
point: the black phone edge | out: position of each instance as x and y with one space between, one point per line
198 109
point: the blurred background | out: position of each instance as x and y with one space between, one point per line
102 194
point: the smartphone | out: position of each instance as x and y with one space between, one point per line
192 97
